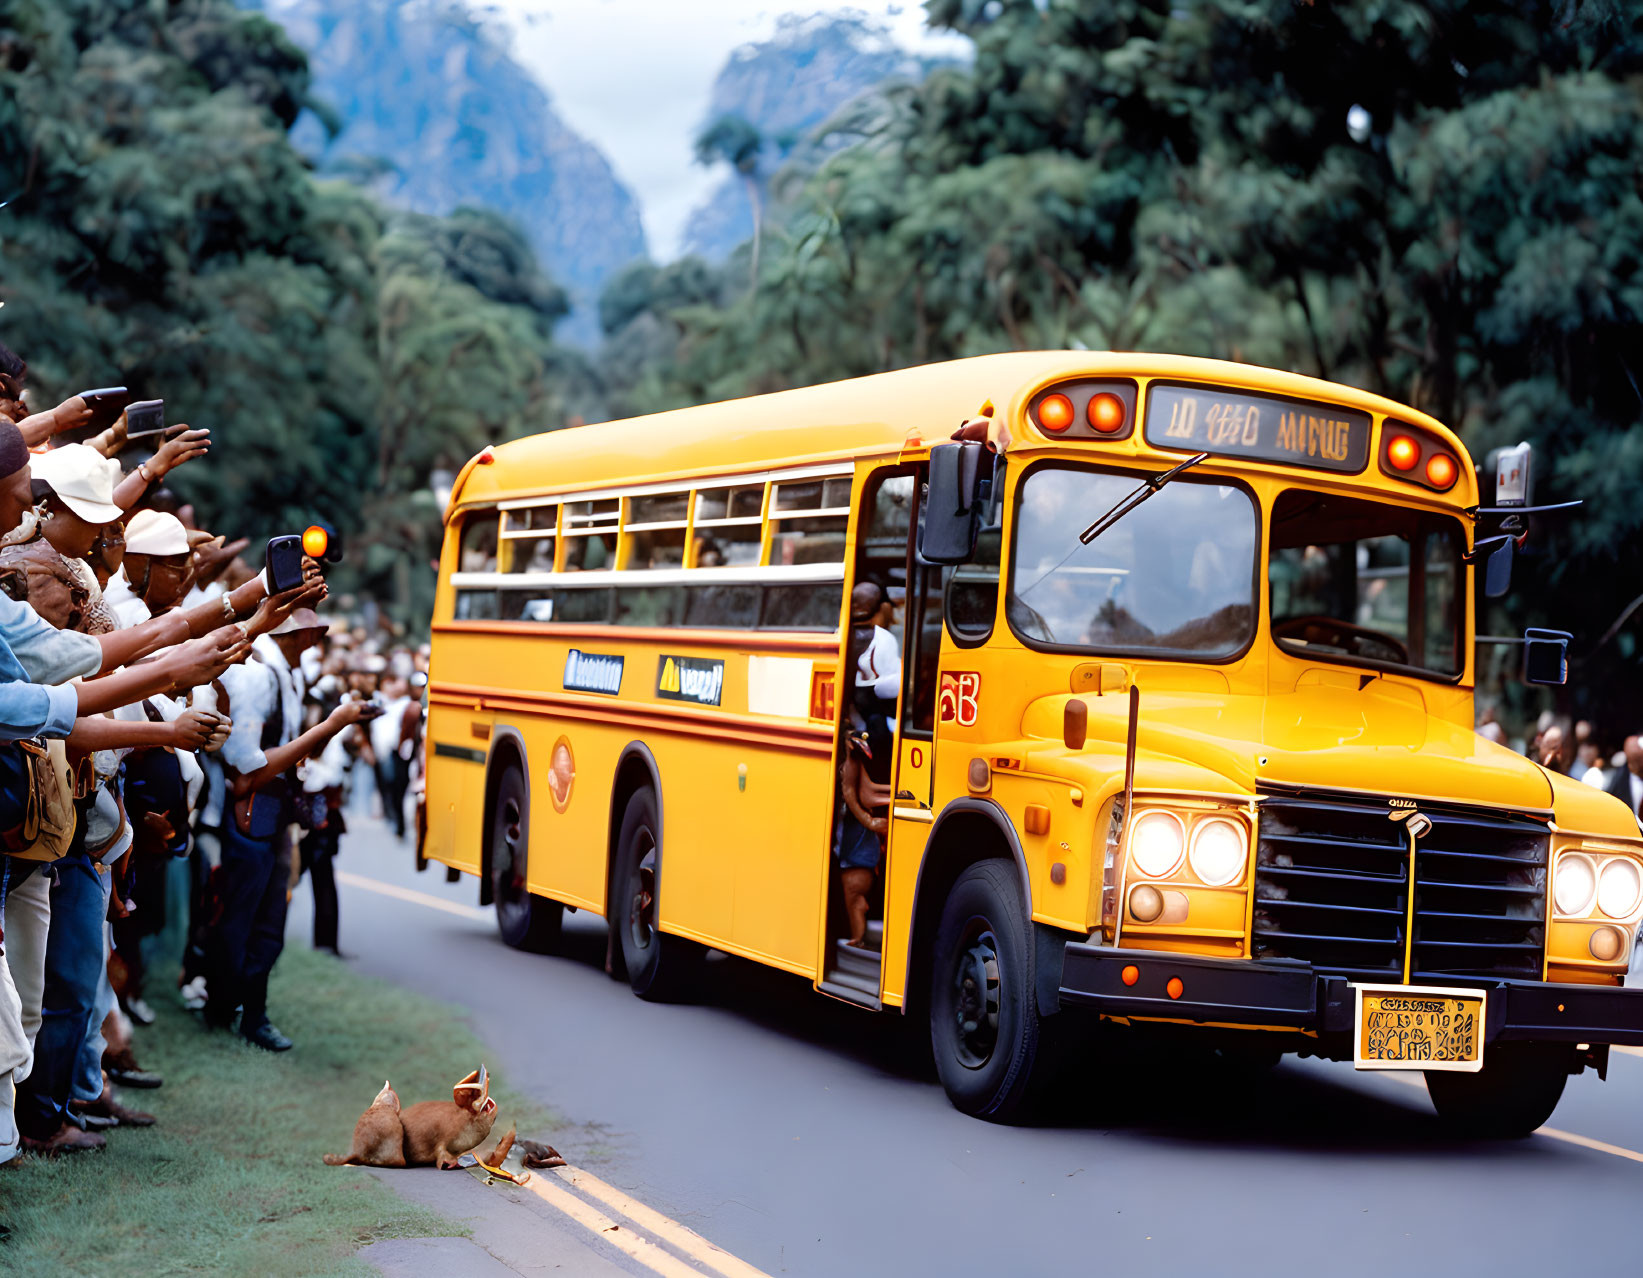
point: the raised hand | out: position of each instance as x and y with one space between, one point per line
182 447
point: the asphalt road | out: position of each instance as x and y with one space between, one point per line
794 1131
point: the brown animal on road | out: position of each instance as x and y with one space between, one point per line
429 1133
438 1132
379 1138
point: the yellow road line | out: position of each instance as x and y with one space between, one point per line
411 895
671 1231
1556 1133
1586 1142
641 1249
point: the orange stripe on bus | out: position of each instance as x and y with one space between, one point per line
805 737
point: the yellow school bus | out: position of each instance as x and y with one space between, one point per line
1183 737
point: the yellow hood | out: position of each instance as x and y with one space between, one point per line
1375 740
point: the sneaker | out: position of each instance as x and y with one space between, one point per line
193 994
140 1012
268 1038
67 1139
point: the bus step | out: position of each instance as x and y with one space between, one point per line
861 965
849 990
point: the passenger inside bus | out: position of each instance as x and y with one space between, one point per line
865 780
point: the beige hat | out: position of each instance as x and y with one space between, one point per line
153 532
83 480
301 619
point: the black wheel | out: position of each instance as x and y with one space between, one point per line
1515 1092
526 922
984 1023
659 967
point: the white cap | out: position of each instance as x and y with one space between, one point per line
153 532
83 480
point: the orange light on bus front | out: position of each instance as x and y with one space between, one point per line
1403 452
1441 470
1106 413
1055 413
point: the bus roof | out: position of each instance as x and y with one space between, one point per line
839 421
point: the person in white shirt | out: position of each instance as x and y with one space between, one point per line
251 804
393 765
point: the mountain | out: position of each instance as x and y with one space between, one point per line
787 87
432 113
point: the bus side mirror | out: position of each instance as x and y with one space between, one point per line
1546 657
1497 569
953 501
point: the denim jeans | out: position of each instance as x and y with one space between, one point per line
75 969
251 931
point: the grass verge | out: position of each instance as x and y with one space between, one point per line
230 1179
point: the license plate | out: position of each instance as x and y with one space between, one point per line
1418 1027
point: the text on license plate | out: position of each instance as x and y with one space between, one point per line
1418 1027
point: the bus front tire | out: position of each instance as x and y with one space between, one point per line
984 1022
659 967
1514 1093
525 921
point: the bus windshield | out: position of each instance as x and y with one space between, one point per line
1367 583
1175 575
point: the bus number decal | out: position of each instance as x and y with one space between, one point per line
690 679
960 698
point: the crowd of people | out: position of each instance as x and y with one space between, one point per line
170 729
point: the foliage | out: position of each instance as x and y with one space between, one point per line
162 232
1439 201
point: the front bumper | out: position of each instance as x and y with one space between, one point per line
1286 994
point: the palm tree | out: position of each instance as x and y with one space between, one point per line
733 139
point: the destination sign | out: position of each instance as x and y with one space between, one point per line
1204 419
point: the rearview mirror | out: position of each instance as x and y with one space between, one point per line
953 498
1546 657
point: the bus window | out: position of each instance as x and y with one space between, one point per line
803 606
1176 575
808 519
732 605
649 605
581 605
478 546
729 503
528 539
590 552
729 545
1343 574
652 548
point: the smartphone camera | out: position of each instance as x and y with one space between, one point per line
284 563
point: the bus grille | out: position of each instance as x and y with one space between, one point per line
1332 883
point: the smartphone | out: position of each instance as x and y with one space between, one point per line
146 417
284 563
105 404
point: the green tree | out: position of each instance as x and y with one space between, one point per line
734 141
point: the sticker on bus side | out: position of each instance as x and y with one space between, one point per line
690 679
593 672
960 697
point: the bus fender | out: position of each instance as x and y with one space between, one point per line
941 866
505 742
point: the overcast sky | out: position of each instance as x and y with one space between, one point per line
634 77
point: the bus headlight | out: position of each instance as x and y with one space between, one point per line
1156 843
1574 883
1619 887
1218 853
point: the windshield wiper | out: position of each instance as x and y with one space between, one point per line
1149 488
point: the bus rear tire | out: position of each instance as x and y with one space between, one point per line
659 967
984 1021
525 921
1514 1093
